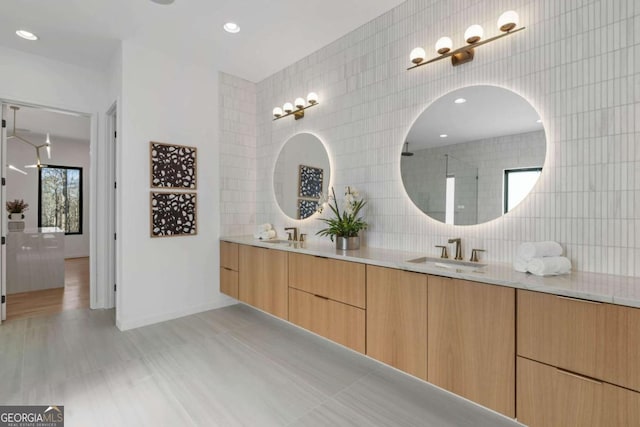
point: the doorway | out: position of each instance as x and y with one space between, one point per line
47 170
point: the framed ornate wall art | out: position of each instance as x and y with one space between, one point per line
306 208
173 166
173 214
310 180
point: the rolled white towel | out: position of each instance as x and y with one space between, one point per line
549 266
265 235
520 264
263 227
530 250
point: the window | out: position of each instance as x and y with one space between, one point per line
450 200
517 184
60 198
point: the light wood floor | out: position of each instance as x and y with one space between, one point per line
75 294
229 367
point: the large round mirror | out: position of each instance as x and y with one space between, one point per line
473 155
301 175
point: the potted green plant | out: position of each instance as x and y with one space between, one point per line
347 224
16 209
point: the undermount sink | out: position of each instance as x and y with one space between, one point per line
276 241
451 264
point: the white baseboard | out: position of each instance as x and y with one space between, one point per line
124 325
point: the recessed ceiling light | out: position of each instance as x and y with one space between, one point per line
460 101
444 135
165 2
27 35
231 27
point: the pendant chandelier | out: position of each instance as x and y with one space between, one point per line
46 145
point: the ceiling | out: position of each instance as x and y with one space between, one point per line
274 34
490 111
34 123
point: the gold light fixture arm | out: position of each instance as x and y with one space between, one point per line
465 53
15 135
297 113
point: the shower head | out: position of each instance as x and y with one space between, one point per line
406 152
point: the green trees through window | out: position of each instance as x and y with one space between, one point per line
60 197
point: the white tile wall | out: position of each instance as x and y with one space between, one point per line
578 63
237 155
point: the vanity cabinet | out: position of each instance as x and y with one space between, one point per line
263 279
327 297
397 319
578 362
471 341
229 269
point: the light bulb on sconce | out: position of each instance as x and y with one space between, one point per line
287 107
312 98
473 34
508 21
277 112
299 103
444 45
417 55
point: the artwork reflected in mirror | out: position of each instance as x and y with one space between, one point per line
301 175
473 155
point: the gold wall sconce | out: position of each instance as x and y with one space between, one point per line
297 112
507 23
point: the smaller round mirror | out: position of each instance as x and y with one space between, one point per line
301 175
473 155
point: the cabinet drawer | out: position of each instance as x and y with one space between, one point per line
338 280
622 346
338 322
549 397
563 332
229 282
229 255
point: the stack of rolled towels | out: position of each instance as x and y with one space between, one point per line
541 259
264 232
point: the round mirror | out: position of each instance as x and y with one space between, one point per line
301 175
473 155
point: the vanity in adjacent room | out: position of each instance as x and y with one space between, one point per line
35 259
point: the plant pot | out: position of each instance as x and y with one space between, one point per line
16 217
347 243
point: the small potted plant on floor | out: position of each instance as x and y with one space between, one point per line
16 209
346 225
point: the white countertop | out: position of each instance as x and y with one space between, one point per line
619 290
41 230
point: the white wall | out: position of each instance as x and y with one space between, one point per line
176 102
587 196
19 186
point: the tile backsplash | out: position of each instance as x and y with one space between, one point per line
577 63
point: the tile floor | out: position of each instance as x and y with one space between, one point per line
233 366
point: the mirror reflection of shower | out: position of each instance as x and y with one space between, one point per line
406 151
461 192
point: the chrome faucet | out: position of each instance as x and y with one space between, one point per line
295 233
458 242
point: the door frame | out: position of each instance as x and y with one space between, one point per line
98 261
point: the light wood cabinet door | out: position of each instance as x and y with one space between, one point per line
262 279
471 341
341 281
397 319
336 321
563 332
229 282
229 255
622 346
550 397
621 406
